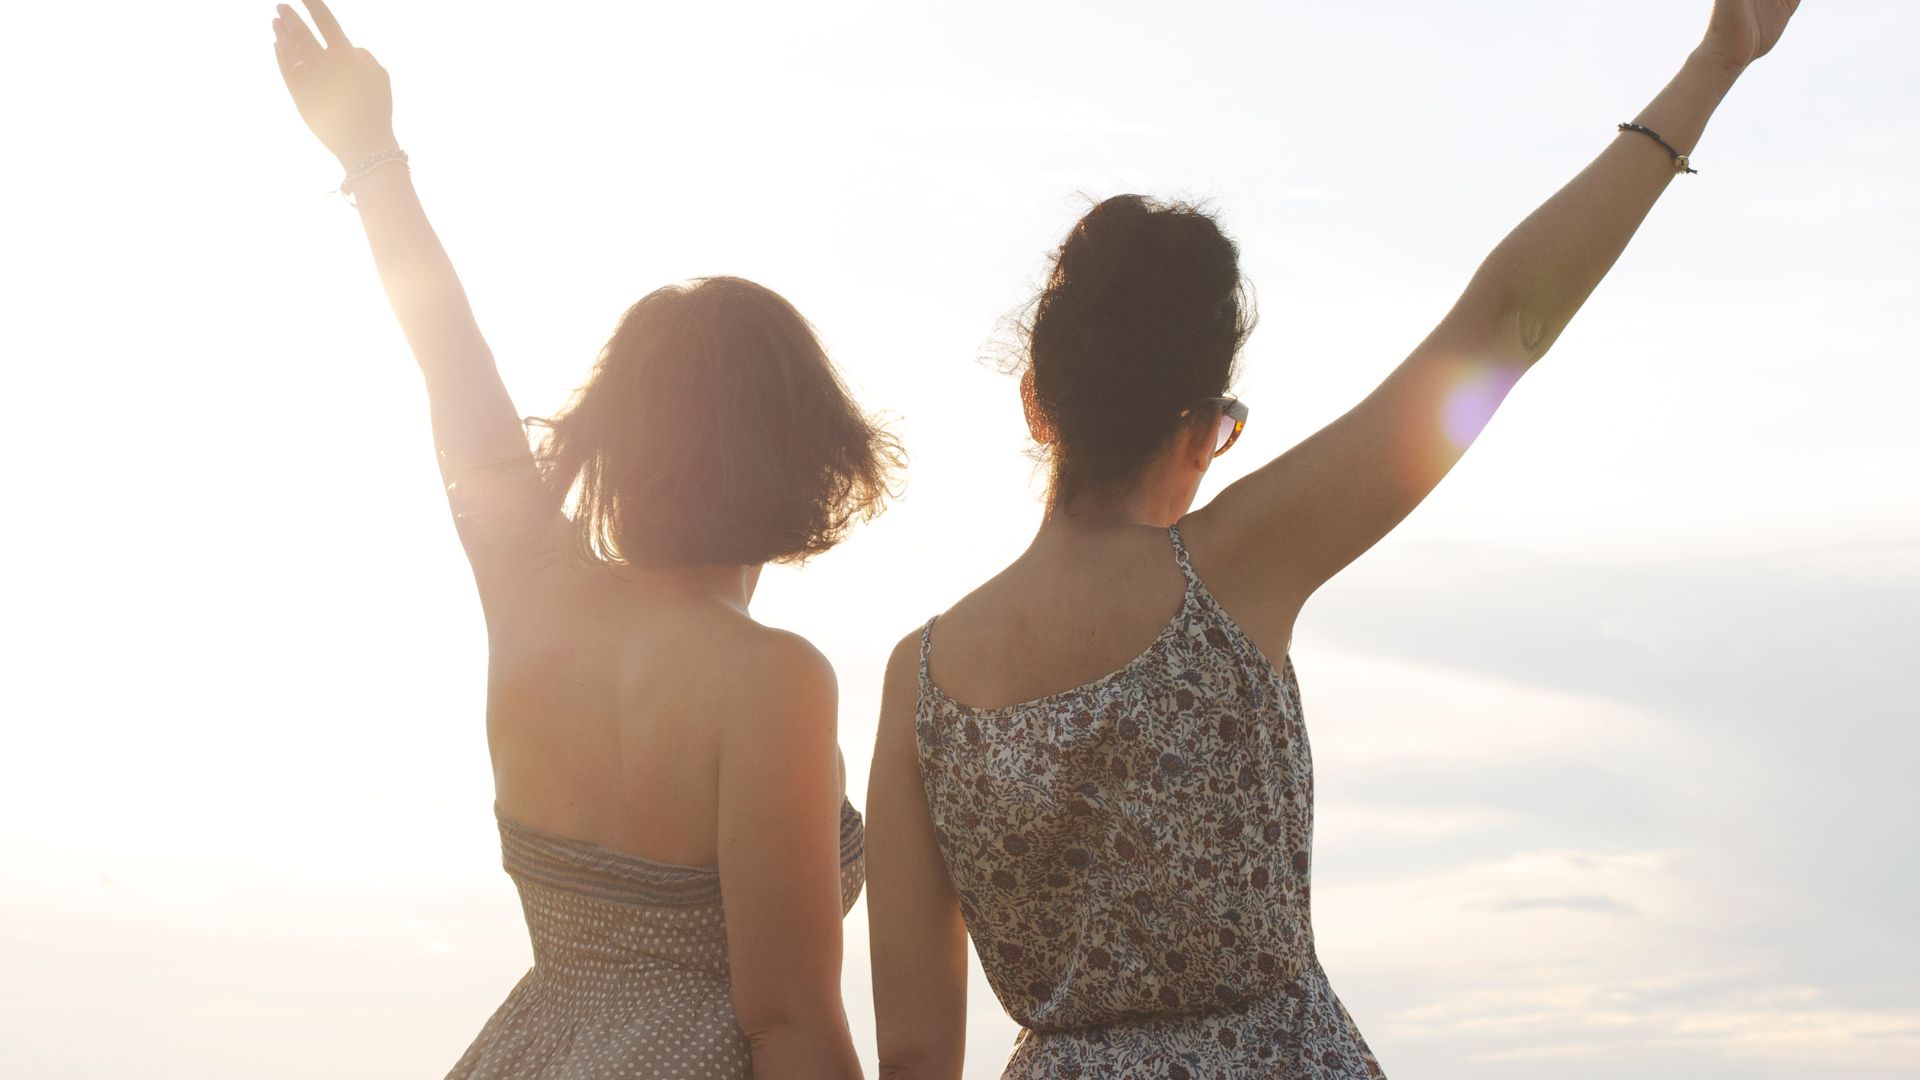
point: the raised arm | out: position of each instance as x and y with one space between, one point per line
1283 530
919 942
503 510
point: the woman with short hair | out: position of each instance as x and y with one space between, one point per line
669 787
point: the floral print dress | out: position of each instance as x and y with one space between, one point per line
1133 858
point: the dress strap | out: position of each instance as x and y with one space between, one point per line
1179 554
926 644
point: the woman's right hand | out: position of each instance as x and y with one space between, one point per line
1742 31
342 92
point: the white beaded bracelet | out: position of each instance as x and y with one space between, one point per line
371 164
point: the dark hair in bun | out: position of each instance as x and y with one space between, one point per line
1143 314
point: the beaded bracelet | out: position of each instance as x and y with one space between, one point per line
1680 162
371 164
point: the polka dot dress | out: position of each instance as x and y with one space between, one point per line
1132 859
629 974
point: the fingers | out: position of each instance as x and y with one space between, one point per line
287 54
283 52
329 26
301 38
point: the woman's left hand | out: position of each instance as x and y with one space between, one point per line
1742 31
342 92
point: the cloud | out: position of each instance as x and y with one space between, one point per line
1752 709
1391 713
1343 824
1620 817
1550 1052
1605 904
1800 1028
1693 1018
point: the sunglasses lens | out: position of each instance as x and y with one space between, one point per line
1228 429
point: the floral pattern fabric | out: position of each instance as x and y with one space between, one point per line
1133 860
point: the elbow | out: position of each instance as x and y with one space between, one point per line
897 1069
904 1060
1506 319
1529 333
1500 323
789 1029
814 1049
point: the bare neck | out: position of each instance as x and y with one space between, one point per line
729 586
1159 500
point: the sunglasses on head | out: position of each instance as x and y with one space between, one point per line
1233 420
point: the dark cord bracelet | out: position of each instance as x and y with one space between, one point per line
1680 162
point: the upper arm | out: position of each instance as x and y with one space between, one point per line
919 942
504 510
1288 527
1296 522
779 848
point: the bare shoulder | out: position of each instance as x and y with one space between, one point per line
1246 575
779 675
1207 532
895 746
971 618
777 714
903 672
787 656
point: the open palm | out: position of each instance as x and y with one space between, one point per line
1742 31
342 92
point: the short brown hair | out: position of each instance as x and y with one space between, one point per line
715 431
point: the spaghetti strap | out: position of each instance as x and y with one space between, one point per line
926 643
1179 554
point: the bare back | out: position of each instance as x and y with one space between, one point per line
607 701
1073 608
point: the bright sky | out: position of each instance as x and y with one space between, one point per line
1614 737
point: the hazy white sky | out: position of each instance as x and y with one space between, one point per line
1614 737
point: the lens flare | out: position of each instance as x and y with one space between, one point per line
1471 402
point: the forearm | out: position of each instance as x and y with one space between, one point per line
819 1048
419 278
474 420
1534 282
921 1063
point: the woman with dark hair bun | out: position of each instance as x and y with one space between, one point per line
1115 803
668 782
